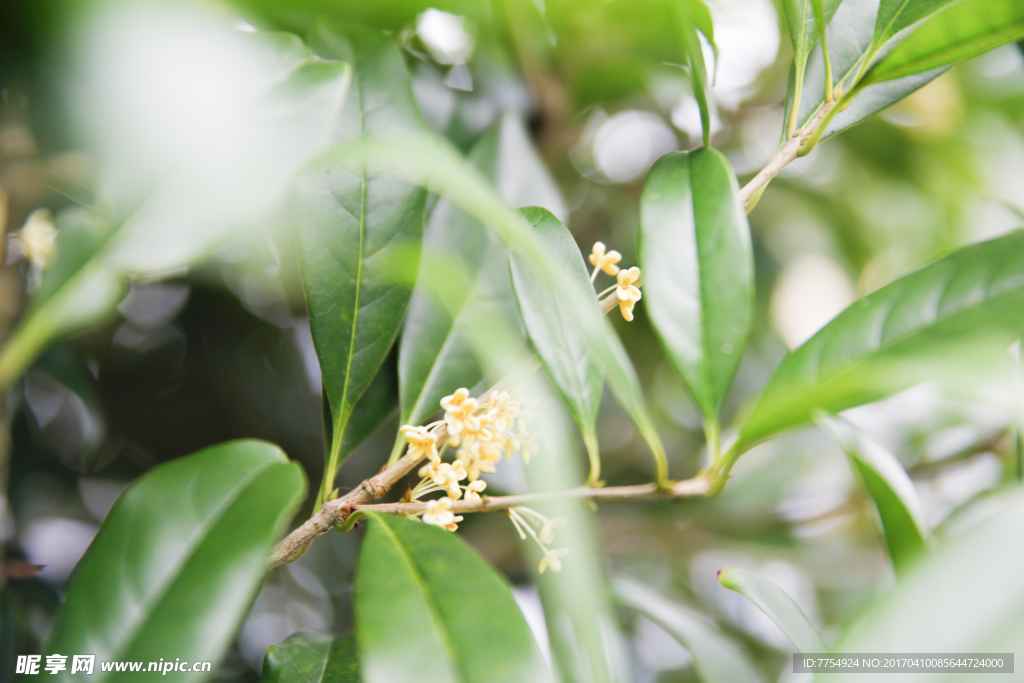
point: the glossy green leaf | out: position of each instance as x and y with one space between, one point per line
802 20
459 622
907 331
693 16
551 326
203 204
371 410
716 658
179 559
312 657
433 162
777 605
698 270
896 15
966 596
874 98
436 354
357 230
849 35
958 32
906 530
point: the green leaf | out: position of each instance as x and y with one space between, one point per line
459 621
179 558
551 326
906 530
436 350
357 231
966 596
716 658
372 408
959 32
803 22
807 21
192 211
777 605
698 270
966 303
849 35
896 15
874 98
693 15
312 657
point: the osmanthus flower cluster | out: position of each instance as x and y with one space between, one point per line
627 279
480 431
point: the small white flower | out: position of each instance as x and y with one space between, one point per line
437 471
547 529
604 261
439 513
502 411
474 489
38 238
552 559
455 401
422 443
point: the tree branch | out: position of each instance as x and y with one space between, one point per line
335 511
698 486
751 192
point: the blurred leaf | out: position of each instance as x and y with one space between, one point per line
356 231
312 657
583 629
693 15
959 32
180 557
777 605
716 658
459 621
193 210
903 522
564 352
896 15
966 303
436 357
698 270
76 430
966 596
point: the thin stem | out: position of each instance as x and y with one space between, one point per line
331 468
798 92
593 452
593 276
829 95
752 191
396 450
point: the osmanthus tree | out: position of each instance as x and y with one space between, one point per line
403 237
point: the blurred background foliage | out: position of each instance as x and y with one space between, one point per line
222 349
